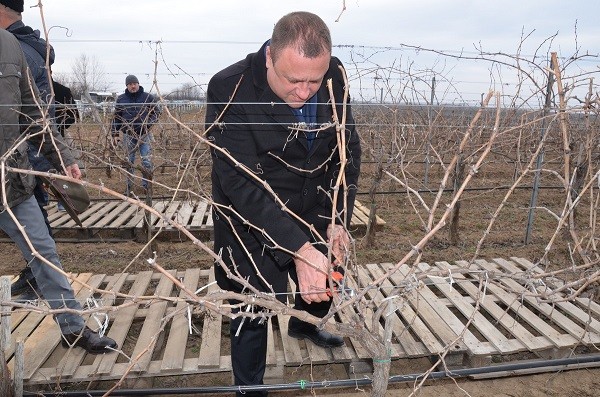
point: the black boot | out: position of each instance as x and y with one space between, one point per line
25 283
302 330
90 341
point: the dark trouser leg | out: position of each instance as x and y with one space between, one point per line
316 309
248 354
41 196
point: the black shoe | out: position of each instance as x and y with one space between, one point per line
90 341
25 283
302 330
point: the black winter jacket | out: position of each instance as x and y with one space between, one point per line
257 130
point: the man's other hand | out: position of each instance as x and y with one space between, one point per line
339 240
73 171
312 267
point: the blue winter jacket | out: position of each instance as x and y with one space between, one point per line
135 113
36 52
35 49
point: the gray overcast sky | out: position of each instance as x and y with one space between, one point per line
202 37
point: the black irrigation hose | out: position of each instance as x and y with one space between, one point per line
469 189
302 385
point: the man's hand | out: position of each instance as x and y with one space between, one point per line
313 283
340 242
73 171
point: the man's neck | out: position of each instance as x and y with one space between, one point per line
8 17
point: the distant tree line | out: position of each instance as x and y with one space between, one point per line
88 75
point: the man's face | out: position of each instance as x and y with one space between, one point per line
295 78
133 87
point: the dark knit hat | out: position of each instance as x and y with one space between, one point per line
131 79
16 5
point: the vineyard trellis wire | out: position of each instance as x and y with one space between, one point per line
466 144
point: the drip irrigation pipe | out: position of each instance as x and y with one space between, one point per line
306 385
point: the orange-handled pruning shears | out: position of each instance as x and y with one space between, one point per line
338 278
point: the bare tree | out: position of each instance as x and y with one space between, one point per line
88 75
187 91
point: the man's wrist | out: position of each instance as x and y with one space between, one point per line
304 247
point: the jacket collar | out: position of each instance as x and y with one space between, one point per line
274 106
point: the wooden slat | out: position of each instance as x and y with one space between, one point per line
153 326
271 359
487 329
159 206
291 347
137 220
178 334
512 337
93 209
557 338
343 353
210 348
194 215
109 216
364 279
209 218
512 325
589 305
550 310
474 345
429 313
379 222
428 343
553 338
123 321
99 214
316 354
56 216
169 213
345 317
198 218
184 214
120 221
363 219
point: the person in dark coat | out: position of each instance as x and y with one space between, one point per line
20 215
66 113
136 111
279 99
38 54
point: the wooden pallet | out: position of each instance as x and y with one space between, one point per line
430 317
121 220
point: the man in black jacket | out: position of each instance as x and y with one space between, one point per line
278 127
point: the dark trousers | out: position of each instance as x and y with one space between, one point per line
249 348
41 196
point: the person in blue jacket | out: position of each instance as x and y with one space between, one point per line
136 111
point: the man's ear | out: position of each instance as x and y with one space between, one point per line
269 62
